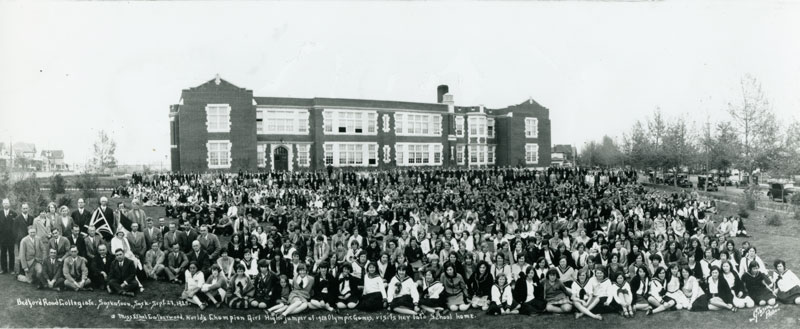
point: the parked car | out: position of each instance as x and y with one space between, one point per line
683 181
701 183
781 191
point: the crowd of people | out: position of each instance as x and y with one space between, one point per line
417 242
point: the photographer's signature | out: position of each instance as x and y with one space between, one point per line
764 313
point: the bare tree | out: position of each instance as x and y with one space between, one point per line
757 127
104 149
679 148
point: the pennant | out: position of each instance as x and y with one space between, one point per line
100 224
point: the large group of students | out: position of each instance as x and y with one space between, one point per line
417 242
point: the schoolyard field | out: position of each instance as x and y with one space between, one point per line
158 306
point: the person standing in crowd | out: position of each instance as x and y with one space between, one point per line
81 216
20 228
7 217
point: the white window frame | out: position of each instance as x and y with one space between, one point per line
387 151
303 155
417 124
459 126
261 154
298 121
349 151
225 146
351 120
386 127
490 124
419 154
532 153
218 122
490 157
460 154
531 127
477 126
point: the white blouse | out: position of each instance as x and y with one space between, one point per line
196 281
407 287
374 285
788 280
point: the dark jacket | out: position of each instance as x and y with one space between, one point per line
124 273
7 227
202 259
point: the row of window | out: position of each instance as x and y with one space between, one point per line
343 122
366 154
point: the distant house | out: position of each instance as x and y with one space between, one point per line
53 160
24 150
563 155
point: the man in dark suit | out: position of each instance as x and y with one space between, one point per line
174 236
76 239
122 278
162 226
108 213
175 263
201 257
100 267
210 243
52 274
152 233
7 240
81 217
191 236
59 243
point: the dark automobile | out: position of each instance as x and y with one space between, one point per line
701 183
683 181
781 191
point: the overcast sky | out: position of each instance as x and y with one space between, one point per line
68 70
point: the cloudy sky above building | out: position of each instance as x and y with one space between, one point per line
72 69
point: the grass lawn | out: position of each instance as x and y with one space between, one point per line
158 305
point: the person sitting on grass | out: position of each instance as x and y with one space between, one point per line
194 282
283 302
153 261
52 274
302 285
373 298
740 297
225 263
719 293
787 285
658 293
215 286
402 294
240 289
267 289
122 278
621 292
455 288
76 273
325 289
432 297
556 294
581 295
502 301
481 285
757 285
347 297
